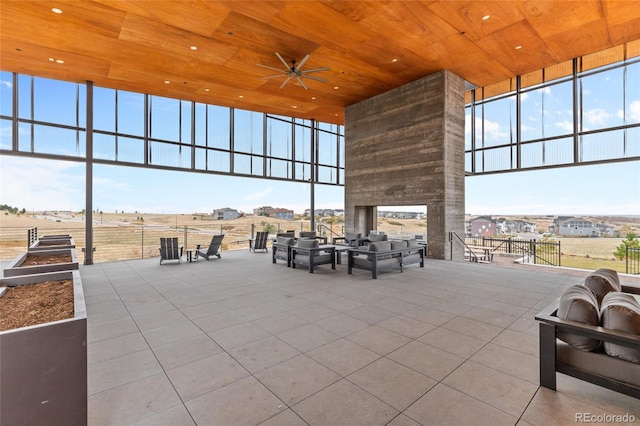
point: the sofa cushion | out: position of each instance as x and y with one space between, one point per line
602 282
412 243
621 312
351 236
285 241
307 243
379 246
578 303
377 237
307 234
398 245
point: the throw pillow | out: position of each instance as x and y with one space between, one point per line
578 303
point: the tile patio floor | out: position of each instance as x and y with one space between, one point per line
241 341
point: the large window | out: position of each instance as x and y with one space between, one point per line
160 132
553 118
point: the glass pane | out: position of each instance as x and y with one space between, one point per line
169 154
327 175
104 109
55 101
24 137
547 112
247 164
632 147
131 113
219 119
493 159
55 140
547 153
130 150
201 125
499 124
165 118
219 161
279 168
104 147
341 151
632 87
303 143
5 134
602 146
185 122
303 171
248 131
24 96
602 100
6 93
279 135
327 149
201 159
467 162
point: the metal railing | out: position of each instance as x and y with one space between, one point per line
534 251
632 260
138 241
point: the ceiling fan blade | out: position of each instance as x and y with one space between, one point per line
283 61
301 83
269 67
275 75
285 82
302 63
313 78
315 70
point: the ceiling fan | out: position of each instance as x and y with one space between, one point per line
293 71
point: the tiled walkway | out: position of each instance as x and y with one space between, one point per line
241 341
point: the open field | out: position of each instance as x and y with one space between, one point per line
136 235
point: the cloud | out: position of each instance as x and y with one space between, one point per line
565 125
258 195
492 129
6 84
524 97
596 117
41 184
634 111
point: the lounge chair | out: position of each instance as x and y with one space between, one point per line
213 248
260 242
170 250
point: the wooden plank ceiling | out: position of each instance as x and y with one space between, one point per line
370 46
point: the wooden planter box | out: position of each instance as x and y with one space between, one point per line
15 268
43 368
57 243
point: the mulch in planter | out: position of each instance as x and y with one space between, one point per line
32 304
51 259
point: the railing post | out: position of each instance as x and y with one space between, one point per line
626 258
253 229
559 254
142 248
186 246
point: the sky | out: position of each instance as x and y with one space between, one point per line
38 184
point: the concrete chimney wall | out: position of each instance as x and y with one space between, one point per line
406 147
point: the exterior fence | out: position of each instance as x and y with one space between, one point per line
538 252
633 260
126 242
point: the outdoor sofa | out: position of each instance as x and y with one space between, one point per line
386 255
592 333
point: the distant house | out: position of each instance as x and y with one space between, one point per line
574 226
225 213
262 211
481 226
279 213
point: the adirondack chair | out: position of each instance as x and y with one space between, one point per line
170 250
213 248
260 242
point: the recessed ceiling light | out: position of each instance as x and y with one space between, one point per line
335 87
335 115
241 96
206 90
294 106
518 47
60 61
313 97
56 10
51 59
394 60
194 48
167 82
485 17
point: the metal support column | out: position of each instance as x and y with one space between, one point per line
313 175
88 252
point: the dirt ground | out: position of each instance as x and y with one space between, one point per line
46 259
32 304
